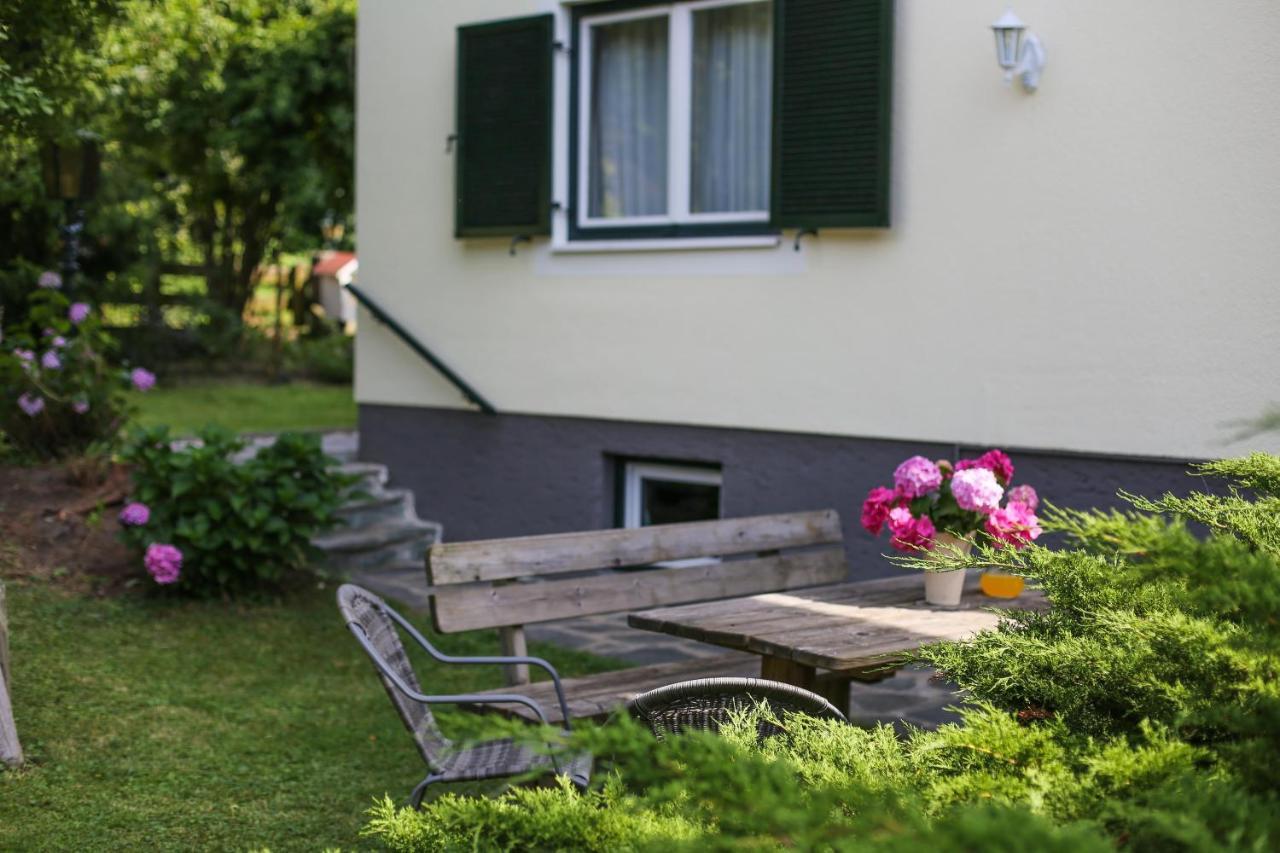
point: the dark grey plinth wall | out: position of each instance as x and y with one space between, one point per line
515 475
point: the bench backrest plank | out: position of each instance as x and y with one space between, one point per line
475 583
528 556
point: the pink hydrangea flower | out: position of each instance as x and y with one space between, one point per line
976 489
80 406
1024 495
909 533
25 355
142 379
135 514
1015 525
32 405
49 279
875 509
50 361
59 341
917 476
996 461
164 562
78 312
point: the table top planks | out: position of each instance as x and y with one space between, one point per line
839 627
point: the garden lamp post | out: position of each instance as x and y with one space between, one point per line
71 176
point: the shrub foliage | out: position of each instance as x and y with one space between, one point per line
240 526
1141 712
59 396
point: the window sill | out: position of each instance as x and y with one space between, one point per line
667 244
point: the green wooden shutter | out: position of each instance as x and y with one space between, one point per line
831 104
503 165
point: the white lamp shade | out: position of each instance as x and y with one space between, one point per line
1008 30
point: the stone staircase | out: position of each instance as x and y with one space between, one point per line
382 532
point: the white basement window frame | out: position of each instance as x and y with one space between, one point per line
635 474
679 127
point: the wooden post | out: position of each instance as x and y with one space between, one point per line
513 643
10 749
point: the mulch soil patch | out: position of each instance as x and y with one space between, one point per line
58 525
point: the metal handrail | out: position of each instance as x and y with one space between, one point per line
421 349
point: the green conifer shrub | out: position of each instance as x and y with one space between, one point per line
1141 712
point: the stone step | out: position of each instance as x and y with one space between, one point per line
371 476
385 544
378 506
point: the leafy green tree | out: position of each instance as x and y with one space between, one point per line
51 73
240 116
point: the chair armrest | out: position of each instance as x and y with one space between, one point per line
448 699
485 659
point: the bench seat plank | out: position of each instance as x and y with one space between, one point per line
597 696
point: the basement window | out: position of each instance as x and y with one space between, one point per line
663 493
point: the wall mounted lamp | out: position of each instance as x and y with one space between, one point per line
1019 52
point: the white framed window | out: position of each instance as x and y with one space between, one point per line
660 493
674 119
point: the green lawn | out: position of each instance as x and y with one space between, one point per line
159 725
244 407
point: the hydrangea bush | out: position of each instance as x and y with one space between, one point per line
962 499
59 395
206 525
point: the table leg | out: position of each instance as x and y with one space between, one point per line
831 686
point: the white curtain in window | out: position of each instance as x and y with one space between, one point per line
627 171
732 94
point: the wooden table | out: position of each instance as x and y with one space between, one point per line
823 637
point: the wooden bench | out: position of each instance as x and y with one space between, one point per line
509 583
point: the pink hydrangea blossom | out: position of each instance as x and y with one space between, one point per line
49 279
1015 525
875 509
135 514
142 379
164 562
78 312
909 533
996 461
32 405
59 341
50 361
25 355
917 476
976 489
1024 495
80 406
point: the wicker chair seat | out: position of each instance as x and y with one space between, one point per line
506 757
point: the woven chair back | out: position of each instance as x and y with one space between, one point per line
367 612
705 704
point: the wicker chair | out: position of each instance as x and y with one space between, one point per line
374 625
705 704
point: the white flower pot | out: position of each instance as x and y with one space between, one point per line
944 588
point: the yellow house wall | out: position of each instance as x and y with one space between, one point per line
1094 267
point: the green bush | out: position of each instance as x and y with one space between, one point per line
240 528
329 358
1142 711
58 394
